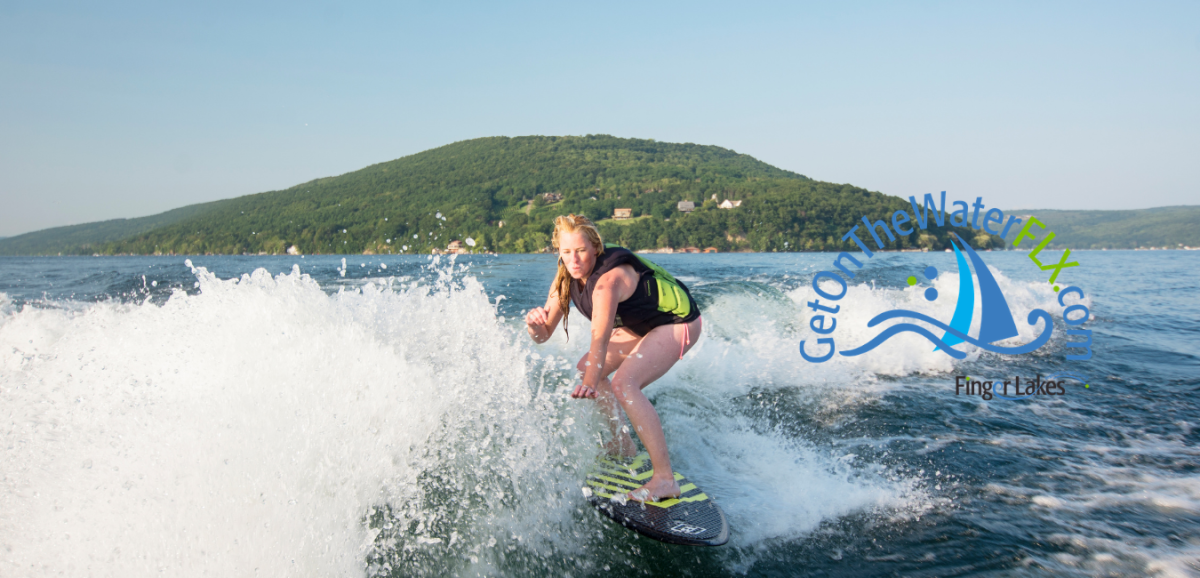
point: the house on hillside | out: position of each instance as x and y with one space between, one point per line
728 204
711 250
686 206
619 214
454 247
552 197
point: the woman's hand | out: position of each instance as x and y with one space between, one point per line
537 317
537 324
582 391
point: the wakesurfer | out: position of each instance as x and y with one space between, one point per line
643 321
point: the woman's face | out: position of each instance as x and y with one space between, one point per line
577 253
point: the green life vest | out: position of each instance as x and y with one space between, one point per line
671 297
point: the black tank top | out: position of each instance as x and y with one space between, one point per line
639 313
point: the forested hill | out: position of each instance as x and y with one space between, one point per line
492 190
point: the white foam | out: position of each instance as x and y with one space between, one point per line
246 429
266 427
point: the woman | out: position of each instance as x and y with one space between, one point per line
643 321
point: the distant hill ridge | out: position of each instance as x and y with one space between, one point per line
1161 227
80 239
492 190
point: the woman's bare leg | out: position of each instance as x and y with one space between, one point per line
620 346
651 359
619 443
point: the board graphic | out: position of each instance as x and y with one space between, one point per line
691 519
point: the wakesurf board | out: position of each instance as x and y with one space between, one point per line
691 519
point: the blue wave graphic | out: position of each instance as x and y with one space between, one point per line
1034 316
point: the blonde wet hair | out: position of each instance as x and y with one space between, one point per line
562 279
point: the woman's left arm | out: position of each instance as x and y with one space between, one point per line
611 288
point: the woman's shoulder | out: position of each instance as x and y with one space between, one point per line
617 255
622 265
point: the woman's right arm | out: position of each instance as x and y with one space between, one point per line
540 322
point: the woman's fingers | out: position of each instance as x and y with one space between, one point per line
583 391
536 316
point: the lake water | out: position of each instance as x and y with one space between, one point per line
387 416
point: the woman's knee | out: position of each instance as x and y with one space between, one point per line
623 387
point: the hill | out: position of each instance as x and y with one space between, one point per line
493 190
89 237
1159 227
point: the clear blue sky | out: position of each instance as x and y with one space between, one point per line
122 109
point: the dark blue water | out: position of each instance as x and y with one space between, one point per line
874 465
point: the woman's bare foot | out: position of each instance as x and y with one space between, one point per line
657 489
620 445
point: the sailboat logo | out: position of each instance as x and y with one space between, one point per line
995 322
